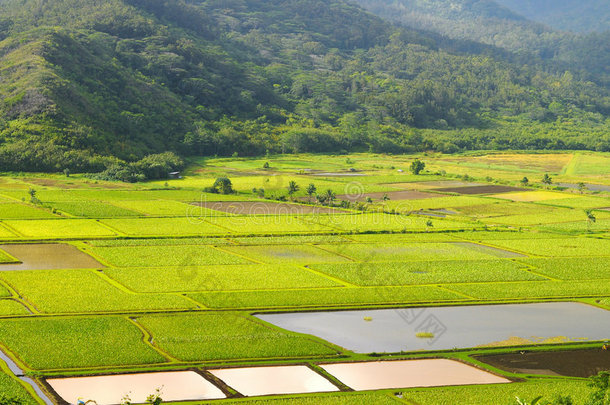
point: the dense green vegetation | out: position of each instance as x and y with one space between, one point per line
89 86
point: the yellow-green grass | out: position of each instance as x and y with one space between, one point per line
534 289
164 226
534 196
4 292
326 297
500 394
587 164
581 202
159 242
23 211
582 226
385 222
405 237
343 398
427 272
273 224
77 342
224 336
508 161
12 307
59 228
418 251
155 256
286 254
11 388
558 215
483 236
448 202
5 233
91 209
567 247
292 240
81 291
217 278
6 258
572 268
503 208
167 208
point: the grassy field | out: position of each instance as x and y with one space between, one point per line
179 284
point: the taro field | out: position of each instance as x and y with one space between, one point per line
100 278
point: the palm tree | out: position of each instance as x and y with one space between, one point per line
311 190
293 187
330 196
591 218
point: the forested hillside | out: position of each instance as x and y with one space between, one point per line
568 15
489 22
87 84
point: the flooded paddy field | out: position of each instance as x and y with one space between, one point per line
49 256
444 328
253 381
111 389
569 363
410 374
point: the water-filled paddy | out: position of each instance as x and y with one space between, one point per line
409 373
254 381
571 363
48 257
175 386
395 330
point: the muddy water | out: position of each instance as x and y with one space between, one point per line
571 363
274 380
409 373
394 330
48 257
107 390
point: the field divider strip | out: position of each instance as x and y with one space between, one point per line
532 270
336 253
147 339
101 274
18 297
220 249
7 227
327 276
443 287
111 228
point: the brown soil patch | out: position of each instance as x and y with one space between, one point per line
573 363
488 189
392 195
266 208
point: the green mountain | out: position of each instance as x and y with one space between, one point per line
87 84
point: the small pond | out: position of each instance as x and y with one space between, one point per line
443 328
48 256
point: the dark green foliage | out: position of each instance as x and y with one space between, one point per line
417 166
601 386
222 185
